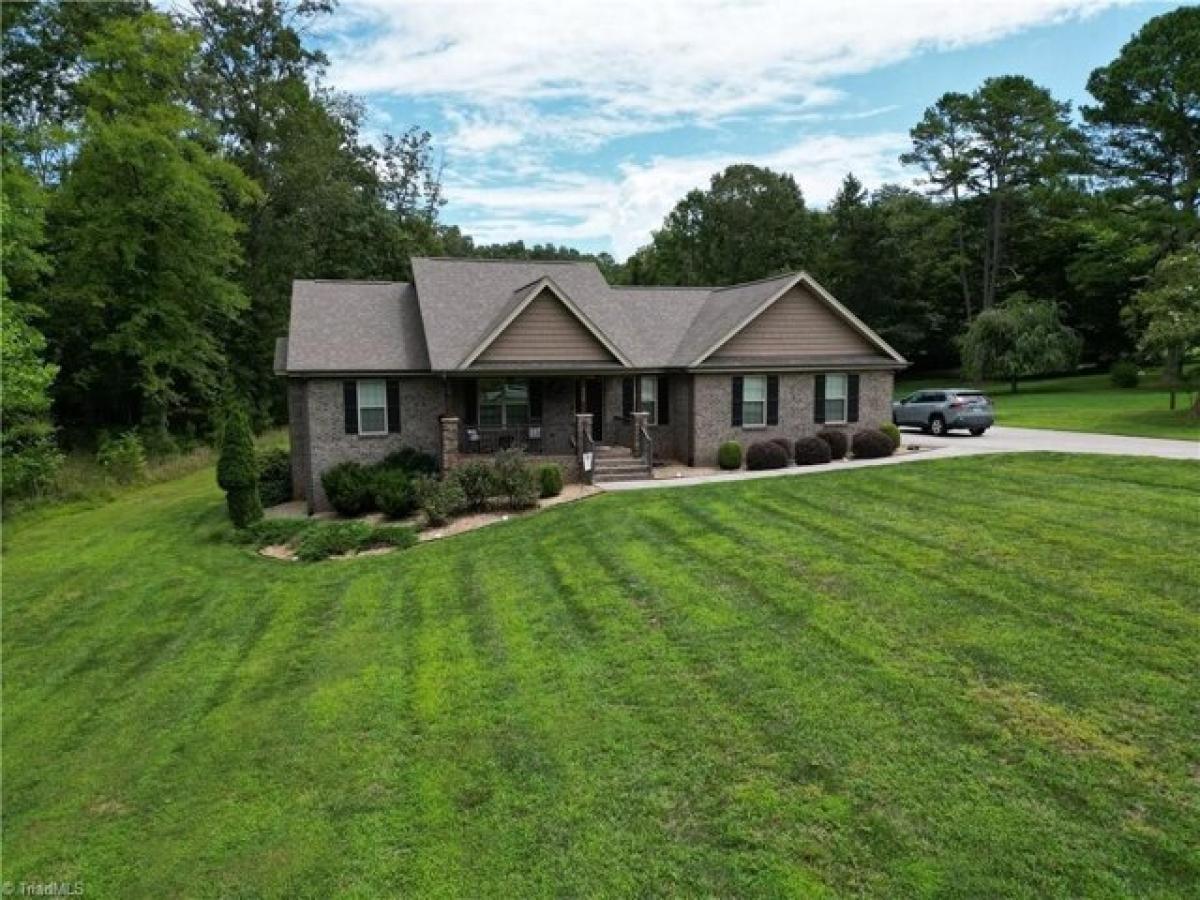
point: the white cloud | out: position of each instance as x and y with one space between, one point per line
524 85
635 64
624 209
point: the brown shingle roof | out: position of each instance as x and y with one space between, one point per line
438 320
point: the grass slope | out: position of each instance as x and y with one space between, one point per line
840 683
1081 403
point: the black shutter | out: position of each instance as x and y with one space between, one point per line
819 399
664 400
535 399
627 396
350 405
852 397
735 395
393 406
470 402
772 399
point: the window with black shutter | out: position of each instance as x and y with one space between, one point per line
735 396
350 406
819 399
664 400
772 399
852 400
393 406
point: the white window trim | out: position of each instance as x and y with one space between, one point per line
845 398
754 426
358 396
642 379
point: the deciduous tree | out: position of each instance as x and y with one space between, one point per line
1166 314
1018 338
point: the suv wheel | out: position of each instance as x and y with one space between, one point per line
937 426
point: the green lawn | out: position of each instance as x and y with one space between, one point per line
1081 403
974 677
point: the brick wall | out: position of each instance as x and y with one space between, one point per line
711 422
421 403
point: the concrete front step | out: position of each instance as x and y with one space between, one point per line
628 465
609 477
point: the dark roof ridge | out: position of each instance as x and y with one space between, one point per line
350 281
524 262
661 287
741 284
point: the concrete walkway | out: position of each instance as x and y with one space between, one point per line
996 440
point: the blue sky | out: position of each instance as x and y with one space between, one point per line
583 122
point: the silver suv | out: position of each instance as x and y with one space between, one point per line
937 411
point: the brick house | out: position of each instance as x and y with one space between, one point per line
474 356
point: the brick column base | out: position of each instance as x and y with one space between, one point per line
449 456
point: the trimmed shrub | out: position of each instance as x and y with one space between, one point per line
1125 374
394 494
766 455
410 460
785 443
399 536
729 455
871 443
327 539
236 468
350 488
812 451
124 459
515 480
477 481
440 500
266 532
837 441
893 434
550 480
274 477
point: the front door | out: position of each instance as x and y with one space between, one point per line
593 402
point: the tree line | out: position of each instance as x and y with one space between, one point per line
167 176
1018 202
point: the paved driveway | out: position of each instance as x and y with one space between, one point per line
996 440
1007 440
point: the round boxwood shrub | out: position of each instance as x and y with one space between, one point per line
394 494
550 480
766 455
1124 374
785 443
729 455
871 443
892 432
350 488
837 441
812 451
274 477
410 460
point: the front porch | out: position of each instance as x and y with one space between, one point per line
556 418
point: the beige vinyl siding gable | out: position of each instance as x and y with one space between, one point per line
545 331
798 324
